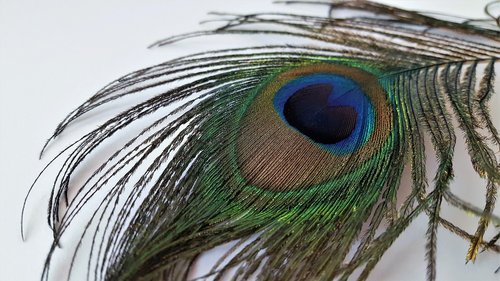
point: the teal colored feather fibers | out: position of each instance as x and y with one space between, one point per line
295 152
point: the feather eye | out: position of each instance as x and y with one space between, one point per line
287 149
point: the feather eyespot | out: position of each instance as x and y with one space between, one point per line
350 92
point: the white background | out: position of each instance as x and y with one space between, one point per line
55 54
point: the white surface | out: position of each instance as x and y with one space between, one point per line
55 54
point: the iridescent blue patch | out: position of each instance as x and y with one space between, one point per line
345 94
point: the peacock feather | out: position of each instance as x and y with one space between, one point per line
293 151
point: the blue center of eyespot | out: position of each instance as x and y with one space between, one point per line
331 110
309 112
